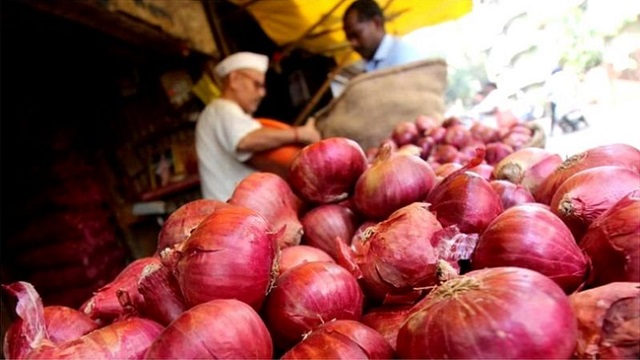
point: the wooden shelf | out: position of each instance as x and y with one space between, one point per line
190 182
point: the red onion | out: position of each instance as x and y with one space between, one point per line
521 129
295 255
605 155
496 313
358 237
398 255
410 149
229 256
64 323
444 153
516 140
528 166
511 194
271 197
128 338
447 169
608 321
218 329
582 197
405 132
163 300
437 134
392 181
612 242
308 295
104 306
387 320
532 237
465 199
484 170
179 225
451 121
341 339
426 123
426 145
457 135
484 133
326 222
496 152
326 171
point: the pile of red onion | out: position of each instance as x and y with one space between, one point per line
450 240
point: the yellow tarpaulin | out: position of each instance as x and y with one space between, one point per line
316 25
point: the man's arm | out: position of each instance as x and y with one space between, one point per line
269 138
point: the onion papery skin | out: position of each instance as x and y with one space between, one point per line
458 136
104 306
426 124
527 166
467 200
606 155
324 223
272 197
404 133
65 324
179 225
447 169
498 313
126 339
307 296
392 181
163 300
612 242
484 133
511 194
398 255
296 255
583 197
326 171
484 170
218 329
608 319
341 339
532 237
229 256
387 320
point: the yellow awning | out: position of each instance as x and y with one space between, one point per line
316 25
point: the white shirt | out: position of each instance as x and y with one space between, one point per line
221 126
392 51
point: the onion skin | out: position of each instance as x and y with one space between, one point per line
218 329
498 313
426 123
104 306
392 181
497 151
447 169
308 295
511 194
64 323
607 325
404 133
398 255
230 255
326 171
581 199
606 155
324 223
484 170
163 300
612 242
527 166
465 199
126 339
341 339
387 320
532 237
179 225
295 255
458 136
271 196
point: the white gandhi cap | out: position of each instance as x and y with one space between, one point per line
242 60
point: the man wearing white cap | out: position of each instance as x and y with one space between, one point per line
226 133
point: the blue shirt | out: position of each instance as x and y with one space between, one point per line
392 51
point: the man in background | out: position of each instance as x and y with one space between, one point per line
363 25
227 135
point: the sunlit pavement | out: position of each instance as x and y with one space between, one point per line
614 121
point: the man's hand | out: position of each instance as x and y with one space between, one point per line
308 133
